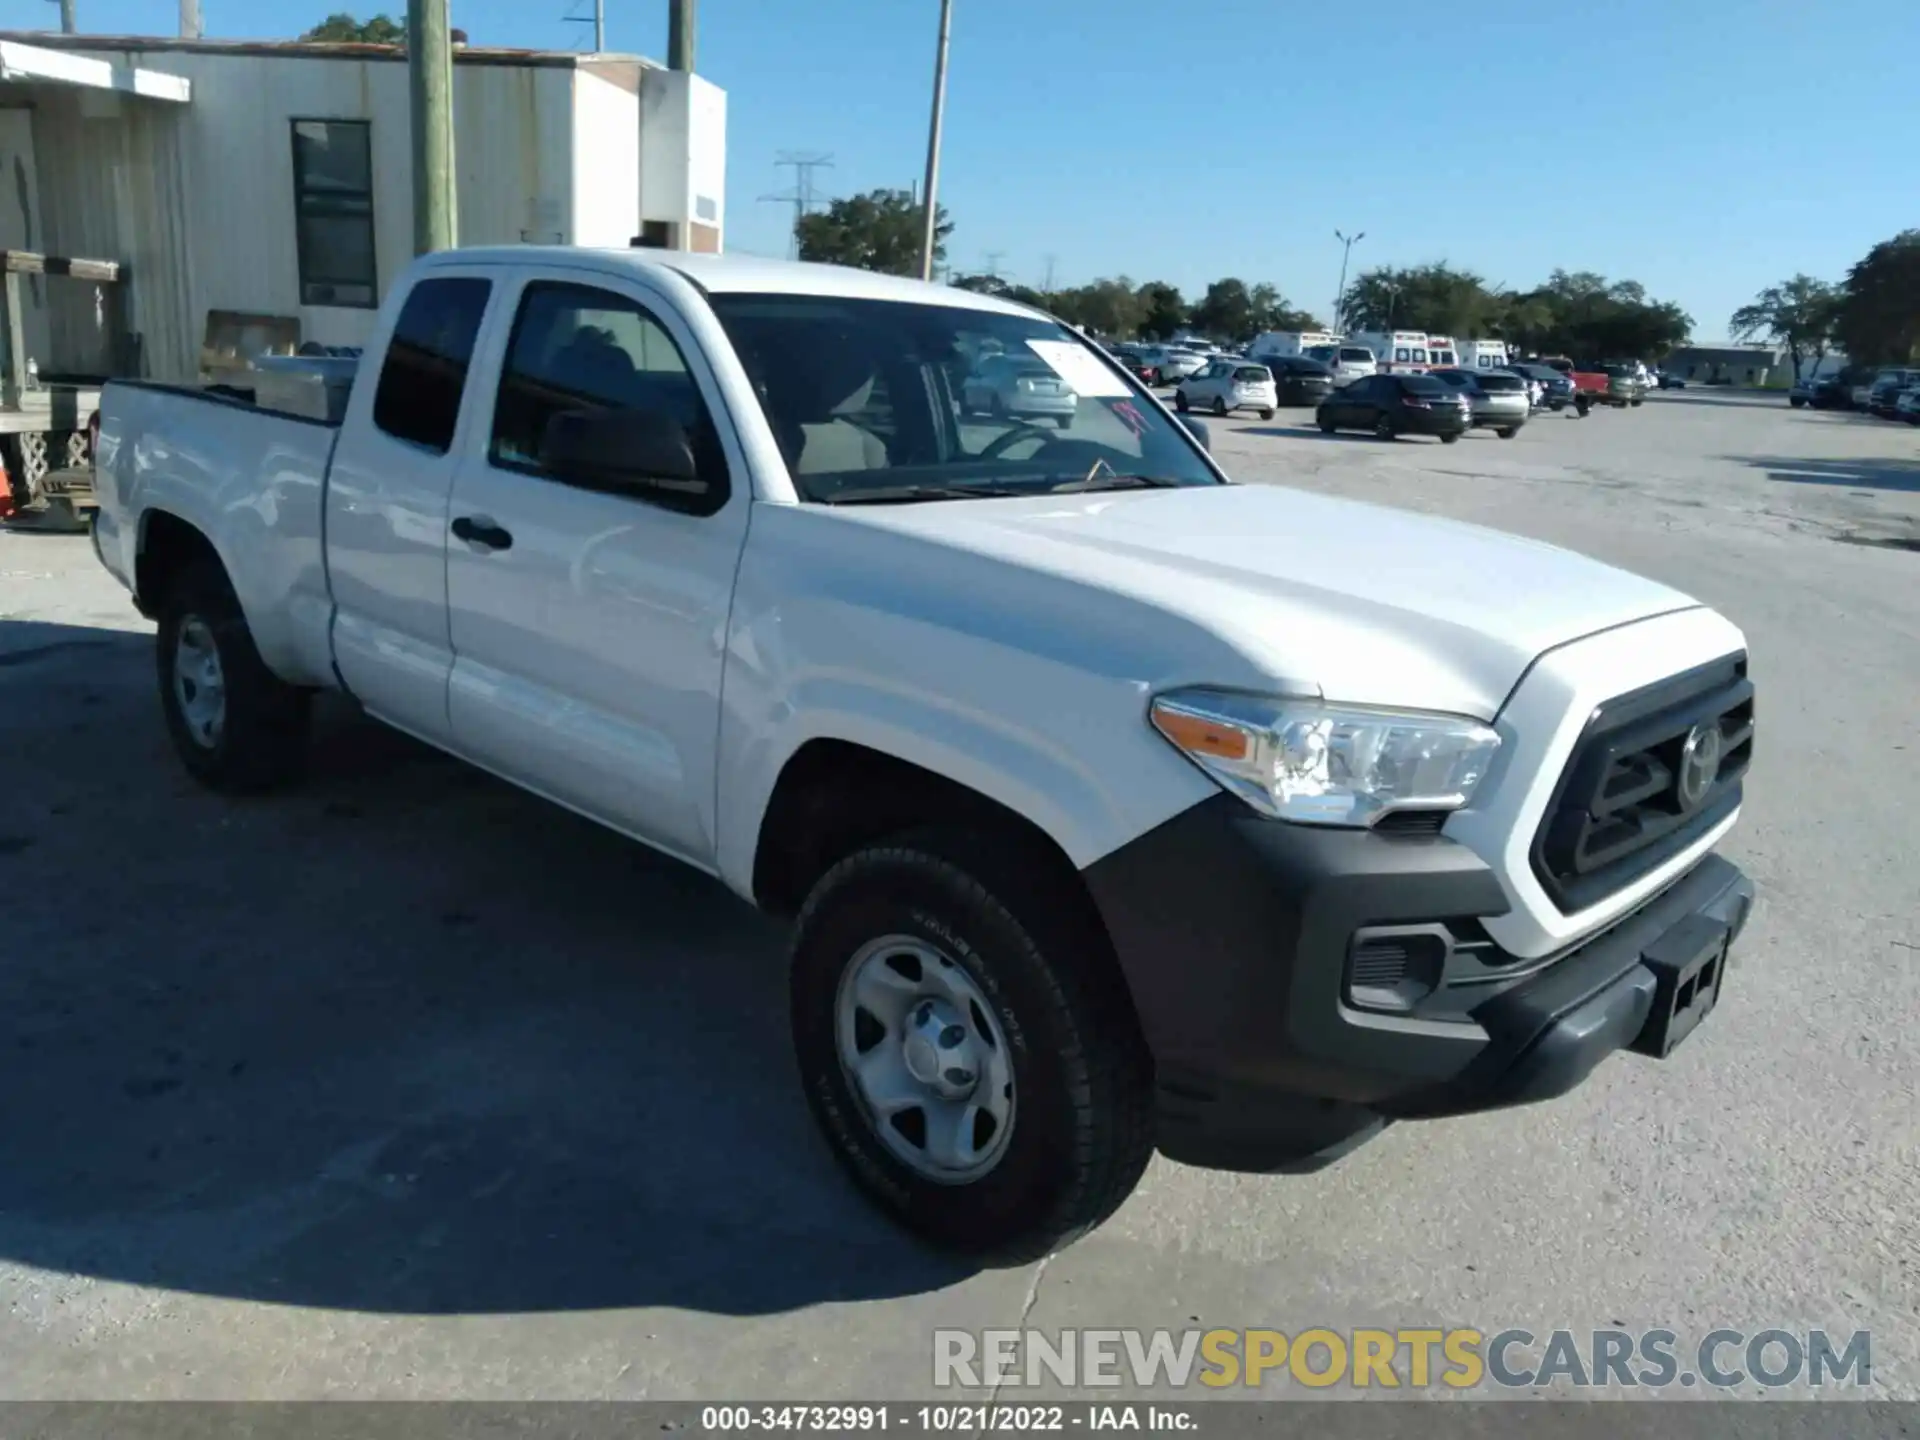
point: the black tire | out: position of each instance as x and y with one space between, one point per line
1383 429
1267 414
1582 407
1082 1131
1636 403
1507 432
1220 406
1453 439
1327 427
262 739
1795 401
1180 401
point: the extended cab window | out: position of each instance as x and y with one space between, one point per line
577 347
425 372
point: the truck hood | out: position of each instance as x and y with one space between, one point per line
1357 603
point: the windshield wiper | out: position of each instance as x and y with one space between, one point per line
908 494
1113 481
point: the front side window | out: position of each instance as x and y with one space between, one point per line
580 348
333 212
884 400
425 370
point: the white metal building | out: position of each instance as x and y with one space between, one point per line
274 180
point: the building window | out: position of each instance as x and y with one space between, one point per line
333 212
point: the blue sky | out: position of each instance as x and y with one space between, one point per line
1703 147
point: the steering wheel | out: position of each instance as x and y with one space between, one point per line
1021 431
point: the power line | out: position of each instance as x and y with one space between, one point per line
597 19
801 195
994 257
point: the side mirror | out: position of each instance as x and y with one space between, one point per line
1198 429
640 452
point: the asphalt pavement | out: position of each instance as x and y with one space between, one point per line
409 1085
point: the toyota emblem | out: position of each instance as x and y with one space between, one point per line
1699 764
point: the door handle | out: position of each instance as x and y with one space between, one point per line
482 531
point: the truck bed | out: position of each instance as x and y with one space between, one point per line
198 452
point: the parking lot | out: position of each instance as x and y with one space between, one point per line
409 1085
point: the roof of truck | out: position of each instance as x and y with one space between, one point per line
739 274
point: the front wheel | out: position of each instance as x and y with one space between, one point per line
236 726
1796 402
1267 413
973 1063
1220 406
1180 401
1383 428
1507 432
1636 403
1327 427
1453 439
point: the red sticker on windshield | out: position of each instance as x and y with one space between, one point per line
1132 418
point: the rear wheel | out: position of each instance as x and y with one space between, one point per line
1220 406
1795 401
236 726
972 1061
1453 439
1507 432
1267 413
1327 427
1383 428
1180 401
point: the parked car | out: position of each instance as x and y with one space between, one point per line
1667 380
1397 404
1300 379
1884 395
1627 381
1134 359
1804 391
1169 365
1114 807
1907 407
1228 385
1018 387
1556 386
1348 362
1497 400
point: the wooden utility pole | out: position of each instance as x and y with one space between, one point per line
930 236
430 69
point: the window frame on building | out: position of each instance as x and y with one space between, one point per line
319 282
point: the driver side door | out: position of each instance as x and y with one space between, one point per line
587 621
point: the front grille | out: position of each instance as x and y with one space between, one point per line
1636 792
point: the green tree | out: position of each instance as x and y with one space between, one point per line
1162 310
1107 307
1878 320
341 28
1005 290
880 230
1799 313
1436 298
1272 312
1226 310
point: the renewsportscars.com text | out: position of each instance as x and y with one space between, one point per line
1415 1358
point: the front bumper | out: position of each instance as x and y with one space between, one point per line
1237 937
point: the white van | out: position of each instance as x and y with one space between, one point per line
1400 350
1282 343
1485 355
1348 361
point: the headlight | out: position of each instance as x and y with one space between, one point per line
1326 764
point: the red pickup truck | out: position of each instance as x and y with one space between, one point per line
1596 387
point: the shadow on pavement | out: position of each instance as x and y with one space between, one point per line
403 1040
1902 476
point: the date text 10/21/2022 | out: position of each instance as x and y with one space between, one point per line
942 1419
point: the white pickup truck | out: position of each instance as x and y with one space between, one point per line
1119 805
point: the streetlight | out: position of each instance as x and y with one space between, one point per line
930 236
1393 294
1340 299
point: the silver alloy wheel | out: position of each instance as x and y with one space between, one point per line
199 684
924 1050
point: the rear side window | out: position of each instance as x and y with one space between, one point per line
1252 373
425 371
1501 384
1357 355
1422 385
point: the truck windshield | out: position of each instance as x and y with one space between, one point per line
899 400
